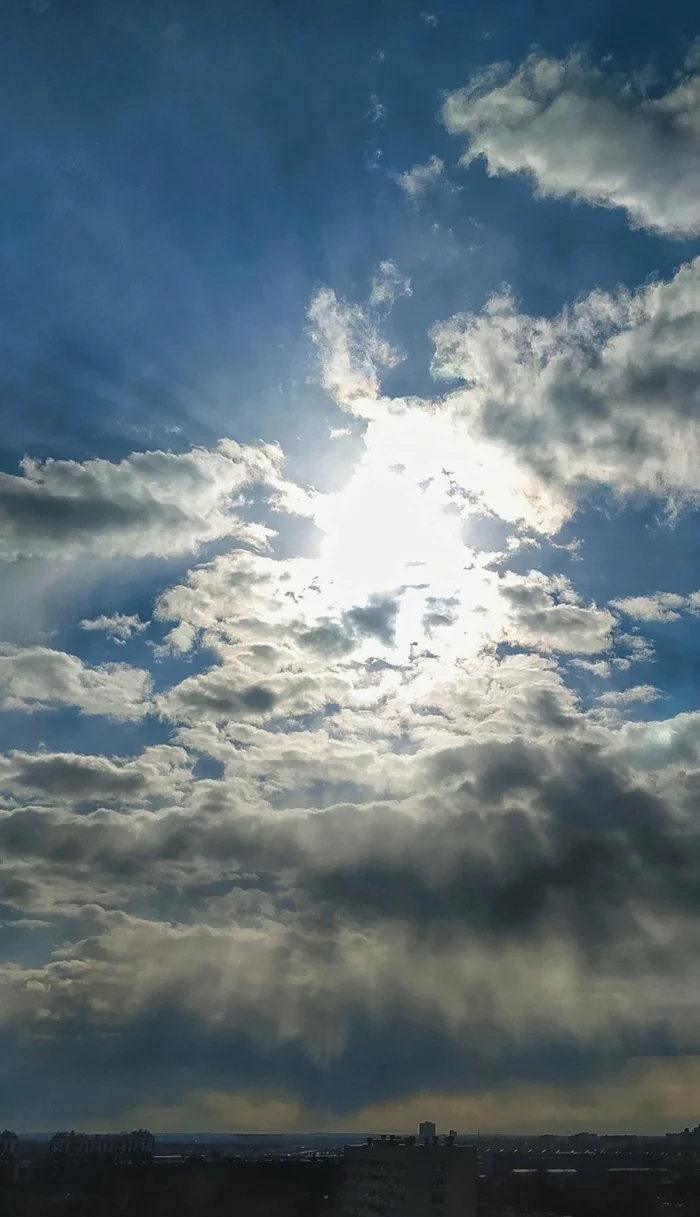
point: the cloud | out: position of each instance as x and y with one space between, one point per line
214 1110
646 1096
545 612
597 667
657 606
392 852
351 350
69 776
233 692
120 625
218 694
384 825
377 112
465 859
625 697
377 619
604 394
37 678
418 179
149 503
583 132
649 1096
387 285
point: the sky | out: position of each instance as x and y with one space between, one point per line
349 594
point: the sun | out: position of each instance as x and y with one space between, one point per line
383 531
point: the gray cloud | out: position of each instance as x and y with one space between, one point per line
607 393
215 694
416 850
38 678
74 776
376 619
545 612
582 132
149 503
515 877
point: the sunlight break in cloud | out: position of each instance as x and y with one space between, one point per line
603 394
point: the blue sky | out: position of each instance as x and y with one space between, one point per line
349 606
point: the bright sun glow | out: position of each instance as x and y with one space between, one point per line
383 532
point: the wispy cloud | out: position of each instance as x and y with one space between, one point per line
418 179
119 625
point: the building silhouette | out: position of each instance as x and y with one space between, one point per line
400 1177
8 1144
74 1147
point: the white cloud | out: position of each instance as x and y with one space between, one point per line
238 690
417 180
597 667
545 612
37 678
120 625
625 697
641 649
657 606
585 133
607 393
604 394
388 284
149 503
351 350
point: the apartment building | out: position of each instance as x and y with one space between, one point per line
132 1146
402 1177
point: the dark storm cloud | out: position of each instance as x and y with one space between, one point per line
538 844
533 841
573 846
163 1053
